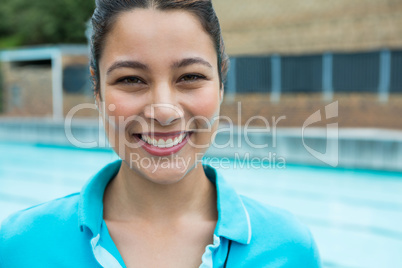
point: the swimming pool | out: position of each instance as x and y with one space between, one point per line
355 215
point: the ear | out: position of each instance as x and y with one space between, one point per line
92 71
96 94
221 91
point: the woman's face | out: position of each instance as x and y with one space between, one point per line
160 91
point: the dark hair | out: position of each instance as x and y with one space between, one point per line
107 11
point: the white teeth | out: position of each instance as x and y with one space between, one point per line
161 143
176 141
169 143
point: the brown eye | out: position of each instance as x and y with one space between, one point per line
130 80
191 77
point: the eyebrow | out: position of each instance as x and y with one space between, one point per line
127 64
138 65
190 61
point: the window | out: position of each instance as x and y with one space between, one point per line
76 79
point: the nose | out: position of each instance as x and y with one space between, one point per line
163 106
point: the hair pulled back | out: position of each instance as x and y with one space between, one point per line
107 11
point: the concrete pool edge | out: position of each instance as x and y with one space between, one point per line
377 149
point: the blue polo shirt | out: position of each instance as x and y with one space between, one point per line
71 232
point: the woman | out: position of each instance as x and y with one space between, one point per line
158 68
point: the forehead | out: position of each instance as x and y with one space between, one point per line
146 34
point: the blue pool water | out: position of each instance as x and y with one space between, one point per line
354 215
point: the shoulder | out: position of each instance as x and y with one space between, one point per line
266 219
46 213
279 235
39 224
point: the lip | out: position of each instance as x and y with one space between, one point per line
156 151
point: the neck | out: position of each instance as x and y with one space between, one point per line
129 196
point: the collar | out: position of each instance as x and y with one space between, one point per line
233 219
90 208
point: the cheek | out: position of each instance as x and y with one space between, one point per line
204 109
206 104
119 104
122 111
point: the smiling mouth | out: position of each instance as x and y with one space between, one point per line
163 140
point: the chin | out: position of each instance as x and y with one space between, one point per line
162 170
164 176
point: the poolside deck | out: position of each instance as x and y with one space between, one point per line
354 215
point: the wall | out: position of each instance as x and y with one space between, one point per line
85 95
300 27
355 110
27 90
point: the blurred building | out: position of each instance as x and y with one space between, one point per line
306 27
288 58
292 57
44 81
